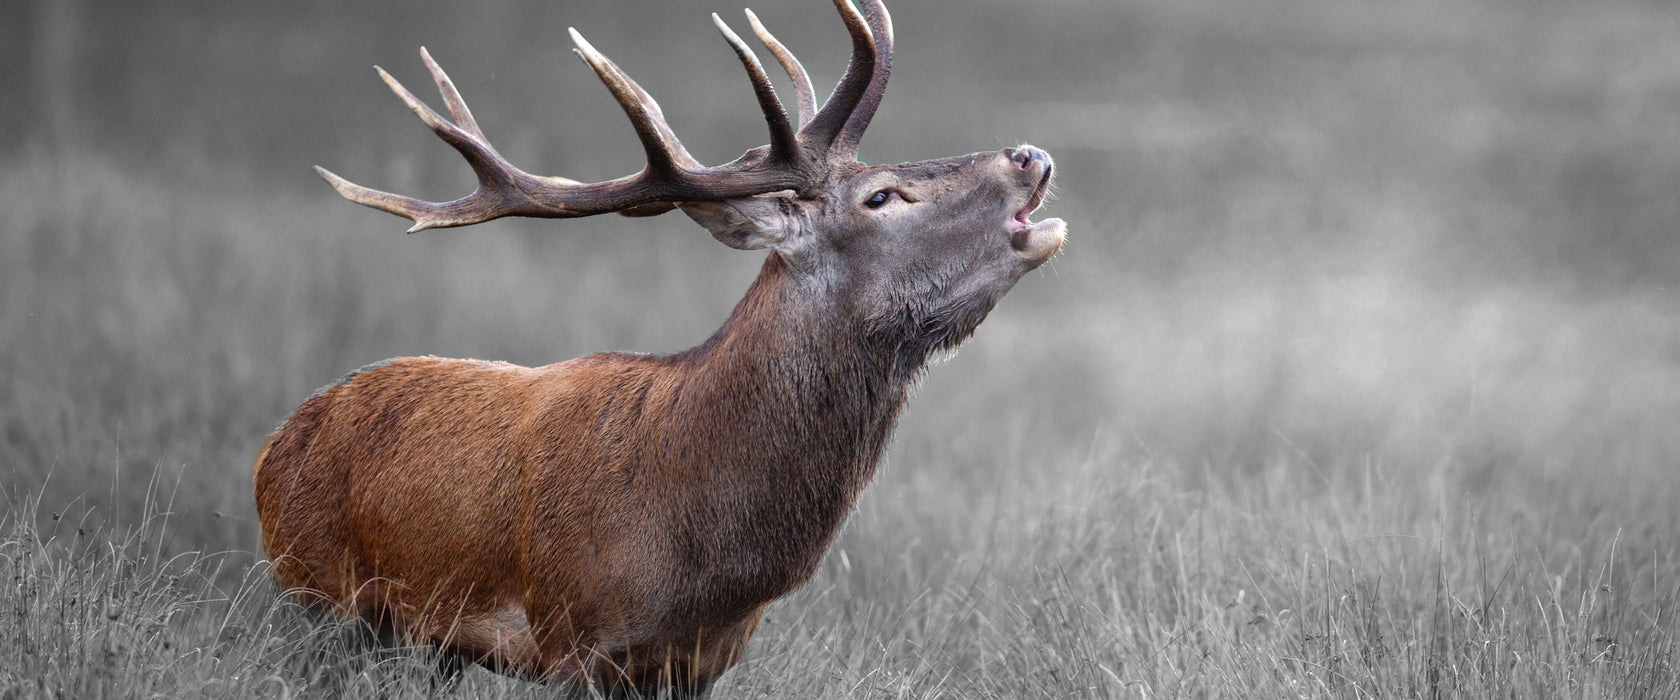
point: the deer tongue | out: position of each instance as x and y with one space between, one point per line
1022 221
1037 241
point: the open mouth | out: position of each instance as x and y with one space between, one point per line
1036 241
1023 223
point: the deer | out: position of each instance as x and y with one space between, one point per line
618 523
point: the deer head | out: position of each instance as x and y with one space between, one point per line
925 248
622 520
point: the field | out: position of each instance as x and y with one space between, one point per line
1358 377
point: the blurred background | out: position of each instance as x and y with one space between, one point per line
1435 236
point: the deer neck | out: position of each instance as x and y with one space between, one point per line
796 401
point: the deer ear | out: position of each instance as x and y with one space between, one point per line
748 223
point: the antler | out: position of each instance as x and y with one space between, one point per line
837 128
792 161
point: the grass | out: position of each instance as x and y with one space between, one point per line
1357 378
1282 585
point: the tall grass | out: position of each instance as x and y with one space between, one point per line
95 612
1280 584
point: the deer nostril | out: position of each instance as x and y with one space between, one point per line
1024 157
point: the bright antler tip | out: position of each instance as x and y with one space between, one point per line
332 178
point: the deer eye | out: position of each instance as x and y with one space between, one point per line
877 200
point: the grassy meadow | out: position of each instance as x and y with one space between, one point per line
1358 377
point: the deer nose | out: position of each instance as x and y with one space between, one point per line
1024 157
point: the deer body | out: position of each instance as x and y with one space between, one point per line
622 520
673 496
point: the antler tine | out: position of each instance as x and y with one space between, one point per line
470 146
783 145
486 162
825 126
494 173
665 153
880 26
458 111
790 63
406 207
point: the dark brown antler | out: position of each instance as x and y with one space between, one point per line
795 70
880 26
838 127
792 161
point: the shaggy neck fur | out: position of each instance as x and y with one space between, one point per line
795 400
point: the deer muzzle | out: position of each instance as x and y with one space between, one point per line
1040 241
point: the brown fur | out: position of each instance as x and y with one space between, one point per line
638 511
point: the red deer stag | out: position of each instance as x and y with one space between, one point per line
621 521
